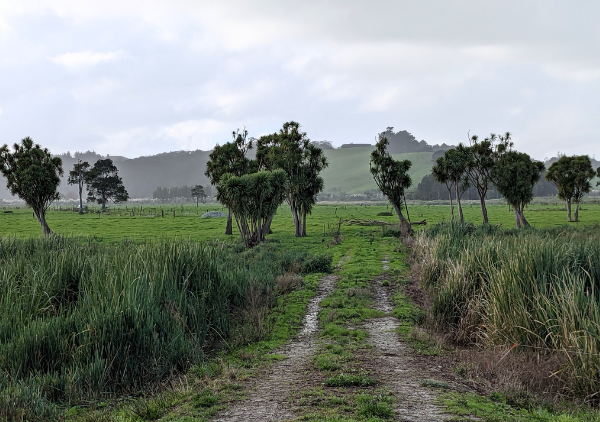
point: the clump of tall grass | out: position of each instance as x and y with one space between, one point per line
79 321
537 288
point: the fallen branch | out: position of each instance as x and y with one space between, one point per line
361 222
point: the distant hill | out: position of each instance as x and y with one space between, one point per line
140 175
348 169
349 172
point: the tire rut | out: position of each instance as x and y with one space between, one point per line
398 366
267 400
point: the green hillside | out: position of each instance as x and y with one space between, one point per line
348 169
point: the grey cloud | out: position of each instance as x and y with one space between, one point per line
137 78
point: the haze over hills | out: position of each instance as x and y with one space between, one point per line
348 169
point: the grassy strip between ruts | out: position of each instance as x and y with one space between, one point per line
339 386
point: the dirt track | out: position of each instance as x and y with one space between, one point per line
396 366
267 400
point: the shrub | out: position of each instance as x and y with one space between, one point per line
317 264
288 282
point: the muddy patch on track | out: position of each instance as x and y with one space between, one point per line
267 401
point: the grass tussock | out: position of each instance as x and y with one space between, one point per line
537 288
83 321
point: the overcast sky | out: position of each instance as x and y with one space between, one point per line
142 77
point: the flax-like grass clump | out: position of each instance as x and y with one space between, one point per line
86 320
538 288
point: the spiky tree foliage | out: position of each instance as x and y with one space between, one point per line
254 199
230 158
292 151
583 175
77 177
572 177
104 183
560 174
483 156
198 193
441 175
392 178
33 175
454 164
515 174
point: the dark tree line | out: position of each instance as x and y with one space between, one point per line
197 192
429 189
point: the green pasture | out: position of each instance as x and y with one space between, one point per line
348 169
147 223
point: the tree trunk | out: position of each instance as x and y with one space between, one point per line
266 229
577 211
103 202
405 227
484 210
80 199
460 213
197 199
304 224
297 222
517 217
229 226
568 202
451 204
523 220
41 218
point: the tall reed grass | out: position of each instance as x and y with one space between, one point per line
80 321
537 288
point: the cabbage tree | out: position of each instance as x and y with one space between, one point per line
253 199
33 175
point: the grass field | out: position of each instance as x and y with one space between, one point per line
147 228
149 224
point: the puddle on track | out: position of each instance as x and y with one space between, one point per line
267 399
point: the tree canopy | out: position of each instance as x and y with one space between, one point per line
515 174
77 177
292 151
441 173
572 176
198 193
33 175
253 199
584 173
230 158
392 178
560 174
451 169
104 183
483 156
